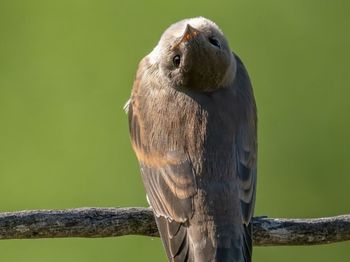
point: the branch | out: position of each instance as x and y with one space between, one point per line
111 222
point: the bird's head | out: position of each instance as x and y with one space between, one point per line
194 54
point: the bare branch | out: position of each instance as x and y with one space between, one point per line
110 222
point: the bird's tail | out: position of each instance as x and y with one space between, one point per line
176 241
235 249
184 244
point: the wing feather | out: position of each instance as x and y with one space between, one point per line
246 144
167 172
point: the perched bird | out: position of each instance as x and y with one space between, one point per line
192 119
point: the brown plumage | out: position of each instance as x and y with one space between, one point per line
192 120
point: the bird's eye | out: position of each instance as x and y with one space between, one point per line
214 42
176 60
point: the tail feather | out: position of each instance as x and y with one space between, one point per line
179 247
247 243
175 240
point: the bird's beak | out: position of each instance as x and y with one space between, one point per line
189 34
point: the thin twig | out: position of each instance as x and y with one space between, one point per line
111 222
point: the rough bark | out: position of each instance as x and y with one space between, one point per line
111 222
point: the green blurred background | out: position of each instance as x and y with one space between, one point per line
66 70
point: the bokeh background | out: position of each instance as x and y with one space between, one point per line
66 70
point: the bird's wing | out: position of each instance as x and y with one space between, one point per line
170 186
246 143
246 155
246 167
166 171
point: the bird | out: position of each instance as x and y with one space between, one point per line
193 126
